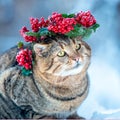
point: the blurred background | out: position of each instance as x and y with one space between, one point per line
103 100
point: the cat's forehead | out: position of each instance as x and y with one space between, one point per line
67 42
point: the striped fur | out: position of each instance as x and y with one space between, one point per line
56 88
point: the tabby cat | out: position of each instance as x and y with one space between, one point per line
58 85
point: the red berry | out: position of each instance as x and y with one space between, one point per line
58 24
85 18
24 58
36 24
26 37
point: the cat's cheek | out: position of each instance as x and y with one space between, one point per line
63 60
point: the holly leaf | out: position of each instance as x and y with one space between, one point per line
20 45
43 32
68 15
71 15
72 34
94 27
78 31
26 72
33 62
35 34
87 33
64 15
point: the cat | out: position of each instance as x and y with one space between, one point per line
58 85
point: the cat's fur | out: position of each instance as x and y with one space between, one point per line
58 84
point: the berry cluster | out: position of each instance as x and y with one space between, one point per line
36 24
24 58
58 24
26 37
85 19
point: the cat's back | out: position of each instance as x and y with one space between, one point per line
13 91
7 107
7 59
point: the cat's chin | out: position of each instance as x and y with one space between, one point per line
73 71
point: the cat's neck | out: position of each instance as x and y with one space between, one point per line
66 87
59 80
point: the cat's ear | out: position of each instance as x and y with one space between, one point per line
78 38
40 48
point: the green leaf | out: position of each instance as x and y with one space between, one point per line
33 62
64 15
94 27
26 72
71 15
68 15
20 44
87 34
35 34
43 32
78 31
52 33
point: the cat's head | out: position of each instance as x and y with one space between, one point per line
63 57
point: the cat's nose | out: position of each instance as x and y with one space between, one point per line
76 59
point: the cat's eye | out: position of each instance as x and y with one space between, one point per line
61 54
77 47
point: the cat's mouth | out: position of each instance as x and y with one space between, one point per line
77 65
